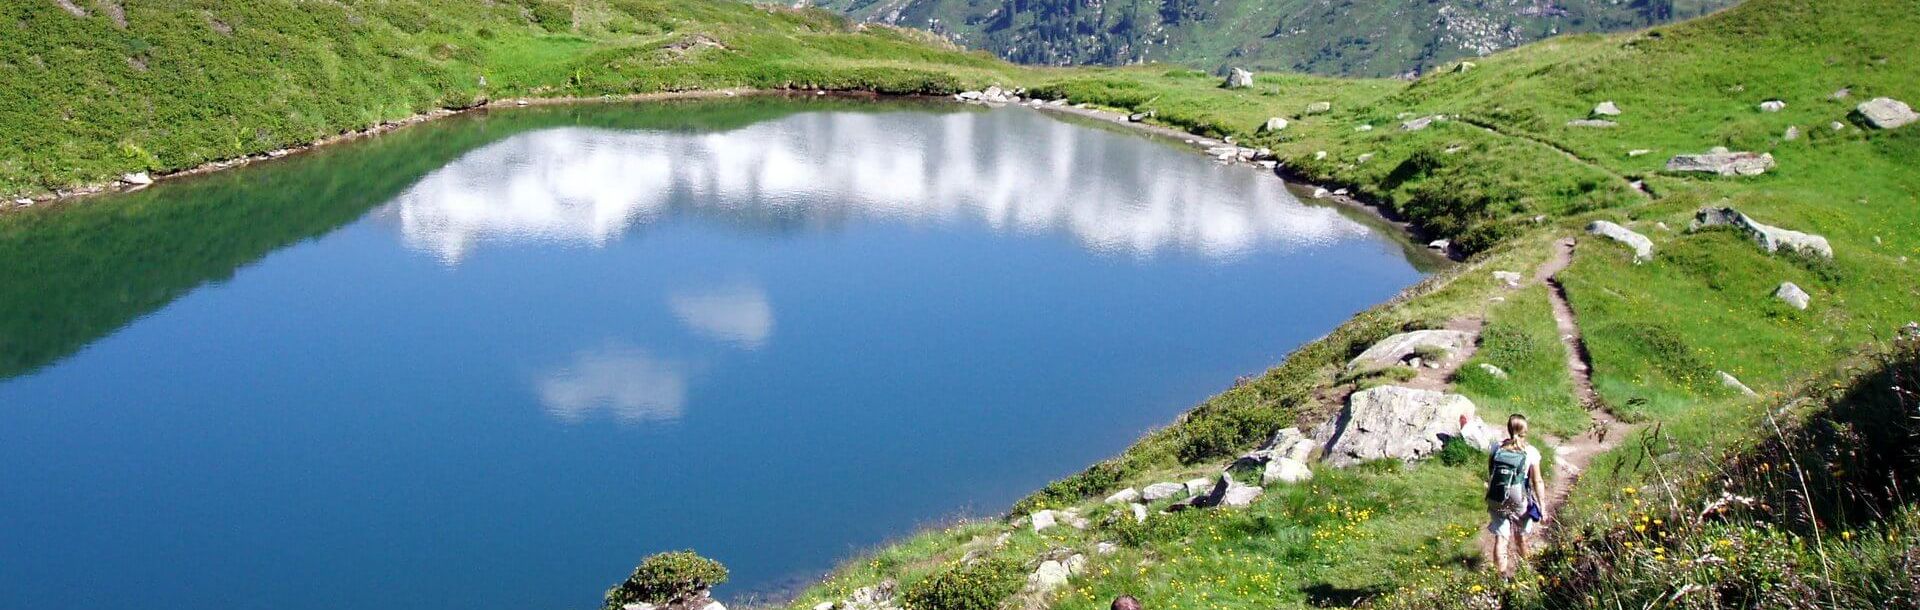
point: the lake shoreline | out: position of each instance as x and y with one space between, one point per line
1377 211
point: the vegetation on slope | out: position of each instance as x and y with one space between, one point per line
1339 38
107 88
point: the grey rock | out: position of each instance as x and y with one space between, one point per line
1642 247
1464 67
1076 564
1399 423
1049 576
1792 133
1363 158
1124 496
1507 278
1722 162
1837 126
1638 152
1319 107
1793 295
1440 244
1606 108
1364 128
1239 79
1395 349
1595 123
1043 519
1274 124
1842 93
1769 237
1161 491
1139 512
137 179
1419 123
1886 113
1319 154
1285 470
1734 382
1495 371
1197 486
1772 106
1105 548
1320 193
1137 117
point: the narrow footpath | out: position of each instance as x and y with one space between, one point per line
1573 455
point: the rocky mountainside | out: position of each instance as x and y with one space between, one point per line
1384 38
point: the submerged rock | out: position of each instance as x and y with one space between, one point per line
1769 237
1642 247
1886 113
1397 348
1722 162
1394 422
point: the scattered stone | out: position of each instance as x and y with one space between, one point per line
1399 422
1507 278
1137 117
1161 491
1105 548
1886 113
1239 79
1228 492
1364 128
1319 107
1792 133
1274 124
1464 67
1837 126
1842 94
1076 564
1606 108
520 102
1395 349
1734 382
1495 371
1723 162
1049 576
1319 155
1043 519
1594 123
1772 106
1285 470
1638 152
1197 486
1770 238
137 179
1419 123
1363 158
1128 496
1793 295
1661 226
1642 247
1340 192
1139 512
1320 193
1440 244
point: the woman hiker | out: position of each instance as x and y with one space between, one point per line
1513 490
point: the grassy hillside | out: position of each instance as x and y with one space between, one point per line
1504 175
109 87
1344 38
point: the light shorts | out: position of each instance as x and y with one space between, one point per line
1501 519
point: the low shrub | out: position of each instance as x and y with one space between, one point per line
981 585
667 577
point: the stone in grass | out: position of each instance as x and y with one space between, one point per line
1319 107
1419 123
1285 470
1395 349
1139 512
1043 519
1595 123
1772 106
1792 133
1049 576
1127 495
1507 278
1769 237
1161 491
1494 371
1606 108
137 179
1730 381
1793 295
1722 162
1399 423
1238 78
1642 247
1274 124
1197 486
1886 113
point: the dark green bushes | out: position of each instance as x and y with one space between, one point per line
667 577
981 585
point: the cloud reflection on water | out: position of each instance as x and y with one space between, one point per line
738 314
625 382
1013 170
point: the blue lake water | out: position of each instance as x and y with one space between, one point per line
493 361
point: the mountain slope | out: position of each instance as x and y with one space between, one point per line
90 89
1343 37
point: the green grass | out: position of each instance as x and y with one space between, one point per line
1521 339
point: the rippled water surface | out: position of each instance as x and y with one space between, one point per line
491 362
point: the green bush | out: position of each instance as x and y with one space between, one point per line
977 586
667 577
1457 452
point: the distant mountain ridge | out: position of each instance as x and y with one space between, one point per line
1342 37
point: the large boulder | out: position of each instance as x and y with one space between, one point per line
1396 349
1724 163
1769 237
1400 423
1886 113
1642 247
1162 491
1049 576
1124 496
1239 79
1793 295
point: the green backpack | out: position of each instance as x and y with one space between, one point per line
1506 475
